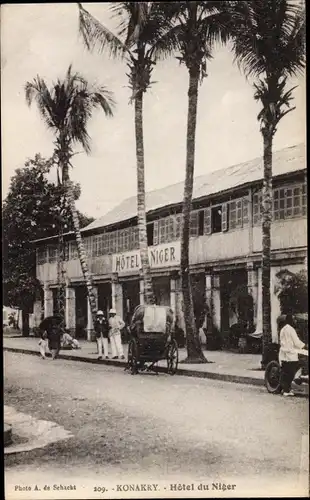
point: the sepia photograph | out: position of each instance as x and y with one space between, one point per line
154 227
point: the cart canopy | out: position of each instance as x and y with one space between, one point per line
155 319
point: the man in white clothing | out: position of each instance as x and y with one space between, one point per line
288 355
101 328
115 325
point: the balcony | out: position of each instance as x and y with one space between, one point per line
285 234
219 246
97 266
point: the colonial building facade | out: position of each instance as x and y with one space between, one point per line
225 246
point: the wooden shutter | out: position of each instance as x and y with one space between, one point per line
193 228
245 211
224 217
155 234
207 221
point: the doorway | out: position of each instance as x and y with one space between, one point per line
105 298
198 293
230 282
162 290
81 299
131 299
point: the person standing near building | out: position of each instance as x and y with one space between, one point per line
115 325
51 325
43 345
288 355
102 334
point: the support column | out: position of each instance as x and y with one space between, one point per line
70 309
173 295
216 301
259 315
117 295
37 313
208 291
48 301
253 287
141 293
90 326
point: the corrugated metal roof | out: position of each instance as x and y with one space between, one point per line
285 161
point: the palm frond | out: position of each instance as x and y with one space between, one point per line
269 37
96 35
67 107
168 43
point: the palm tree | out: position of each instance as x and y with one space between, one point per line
141 24
197 27
66 108
269 45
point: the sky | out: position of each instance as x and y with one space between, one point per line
43 39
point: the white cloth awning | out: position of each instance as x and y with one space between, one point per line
155 319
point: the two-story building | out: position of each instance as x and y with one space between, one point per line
225 245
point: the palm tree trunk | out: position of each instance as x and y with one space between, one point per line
79 243
149 297
266 250
61 290
194 351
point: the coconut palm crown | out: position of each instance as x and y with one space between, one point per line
140 25
66 108
269 46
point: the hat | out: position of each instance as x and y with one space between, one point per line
112 311
100 313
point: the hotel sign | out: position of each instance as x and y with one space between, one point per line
165 255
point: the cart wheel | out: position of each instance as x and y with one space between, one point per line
133 357
172 357
272 377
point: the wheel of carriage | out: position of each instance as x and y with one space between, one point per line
172 357
133 356
272 377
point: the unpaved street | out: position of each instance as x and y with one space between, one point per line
155 428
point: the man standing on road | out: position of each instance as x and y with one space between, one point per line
116 324
102 334
288 355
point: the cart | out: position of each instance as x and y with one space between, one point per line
152 339
273 372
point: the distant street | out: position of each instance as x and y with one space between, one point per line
162 428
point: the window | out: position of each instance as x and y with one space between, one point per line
120 238
193 225
177 225
304 199
52 253
257 207
41 255
207 221
201 219
289 202
245 211
97 245
235 214
156 233
166 230
88 246
73 253
105 243
216 219
150 234
133 238
112 242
